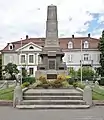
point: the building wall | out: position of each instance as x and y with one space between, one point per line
73 61
73 58
10 57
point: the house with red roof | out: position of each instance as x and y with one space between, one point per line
78 50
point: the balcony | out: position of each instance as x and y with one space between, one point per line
87 62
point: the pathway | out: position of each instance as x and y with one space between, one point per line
94 113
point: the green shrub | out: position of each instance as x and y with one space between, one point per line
75 84
25 84
31 80
65 84
82 86
71 81
101 82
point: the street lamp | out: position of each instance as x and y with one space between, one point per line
21 61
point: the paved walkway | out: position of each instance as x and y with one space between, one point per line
94 113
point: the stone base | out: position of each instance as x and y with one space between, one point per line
50 73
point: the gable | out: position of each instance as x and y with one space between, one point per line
30 47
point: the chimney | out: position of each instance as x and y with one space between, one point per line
72 36
27 37
89 35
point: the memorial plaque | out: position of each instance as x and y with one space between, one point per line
52 64
51 76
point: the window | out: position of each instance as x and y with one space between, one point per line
86 56
10 46
70 45
22 58
69 58
31 47
86 45
31 71
31 58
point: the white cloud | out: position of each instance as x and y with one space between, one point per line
101 19
21 17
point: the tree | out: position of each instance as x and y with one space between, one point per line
72 72
11 68
100 70
87 73
24 72
0 66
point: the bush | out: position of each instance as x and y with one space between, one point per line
82 86
31 80
87 73
43 80
25 84
75 84
71 81
101 82
61 78
65 84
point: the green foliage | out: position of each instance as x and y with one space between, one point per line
71 81
82 86
101 49
75 84
72 72
24 72
65 84
98 94
31 80
11 68
7 94
43 80
25 84
101 82
87 73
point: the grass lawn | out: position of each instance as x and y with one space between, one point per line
6 94
98 94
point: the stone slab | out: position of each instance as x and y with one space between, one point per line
52 106
52 91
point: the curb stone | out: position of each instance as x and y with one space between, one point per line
6 103
10 103
98 102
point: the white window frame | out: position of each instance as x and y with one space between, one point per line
86 56
10 46
70 45
20 58
33 58
86 44
30 48
29 71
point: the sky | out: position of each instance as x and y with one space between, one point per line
19 18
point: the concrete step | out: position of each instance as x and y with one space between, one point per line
53 92
52 106
52 97
53 102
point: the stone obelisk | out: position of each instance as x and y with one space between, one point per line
51 27
51 54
